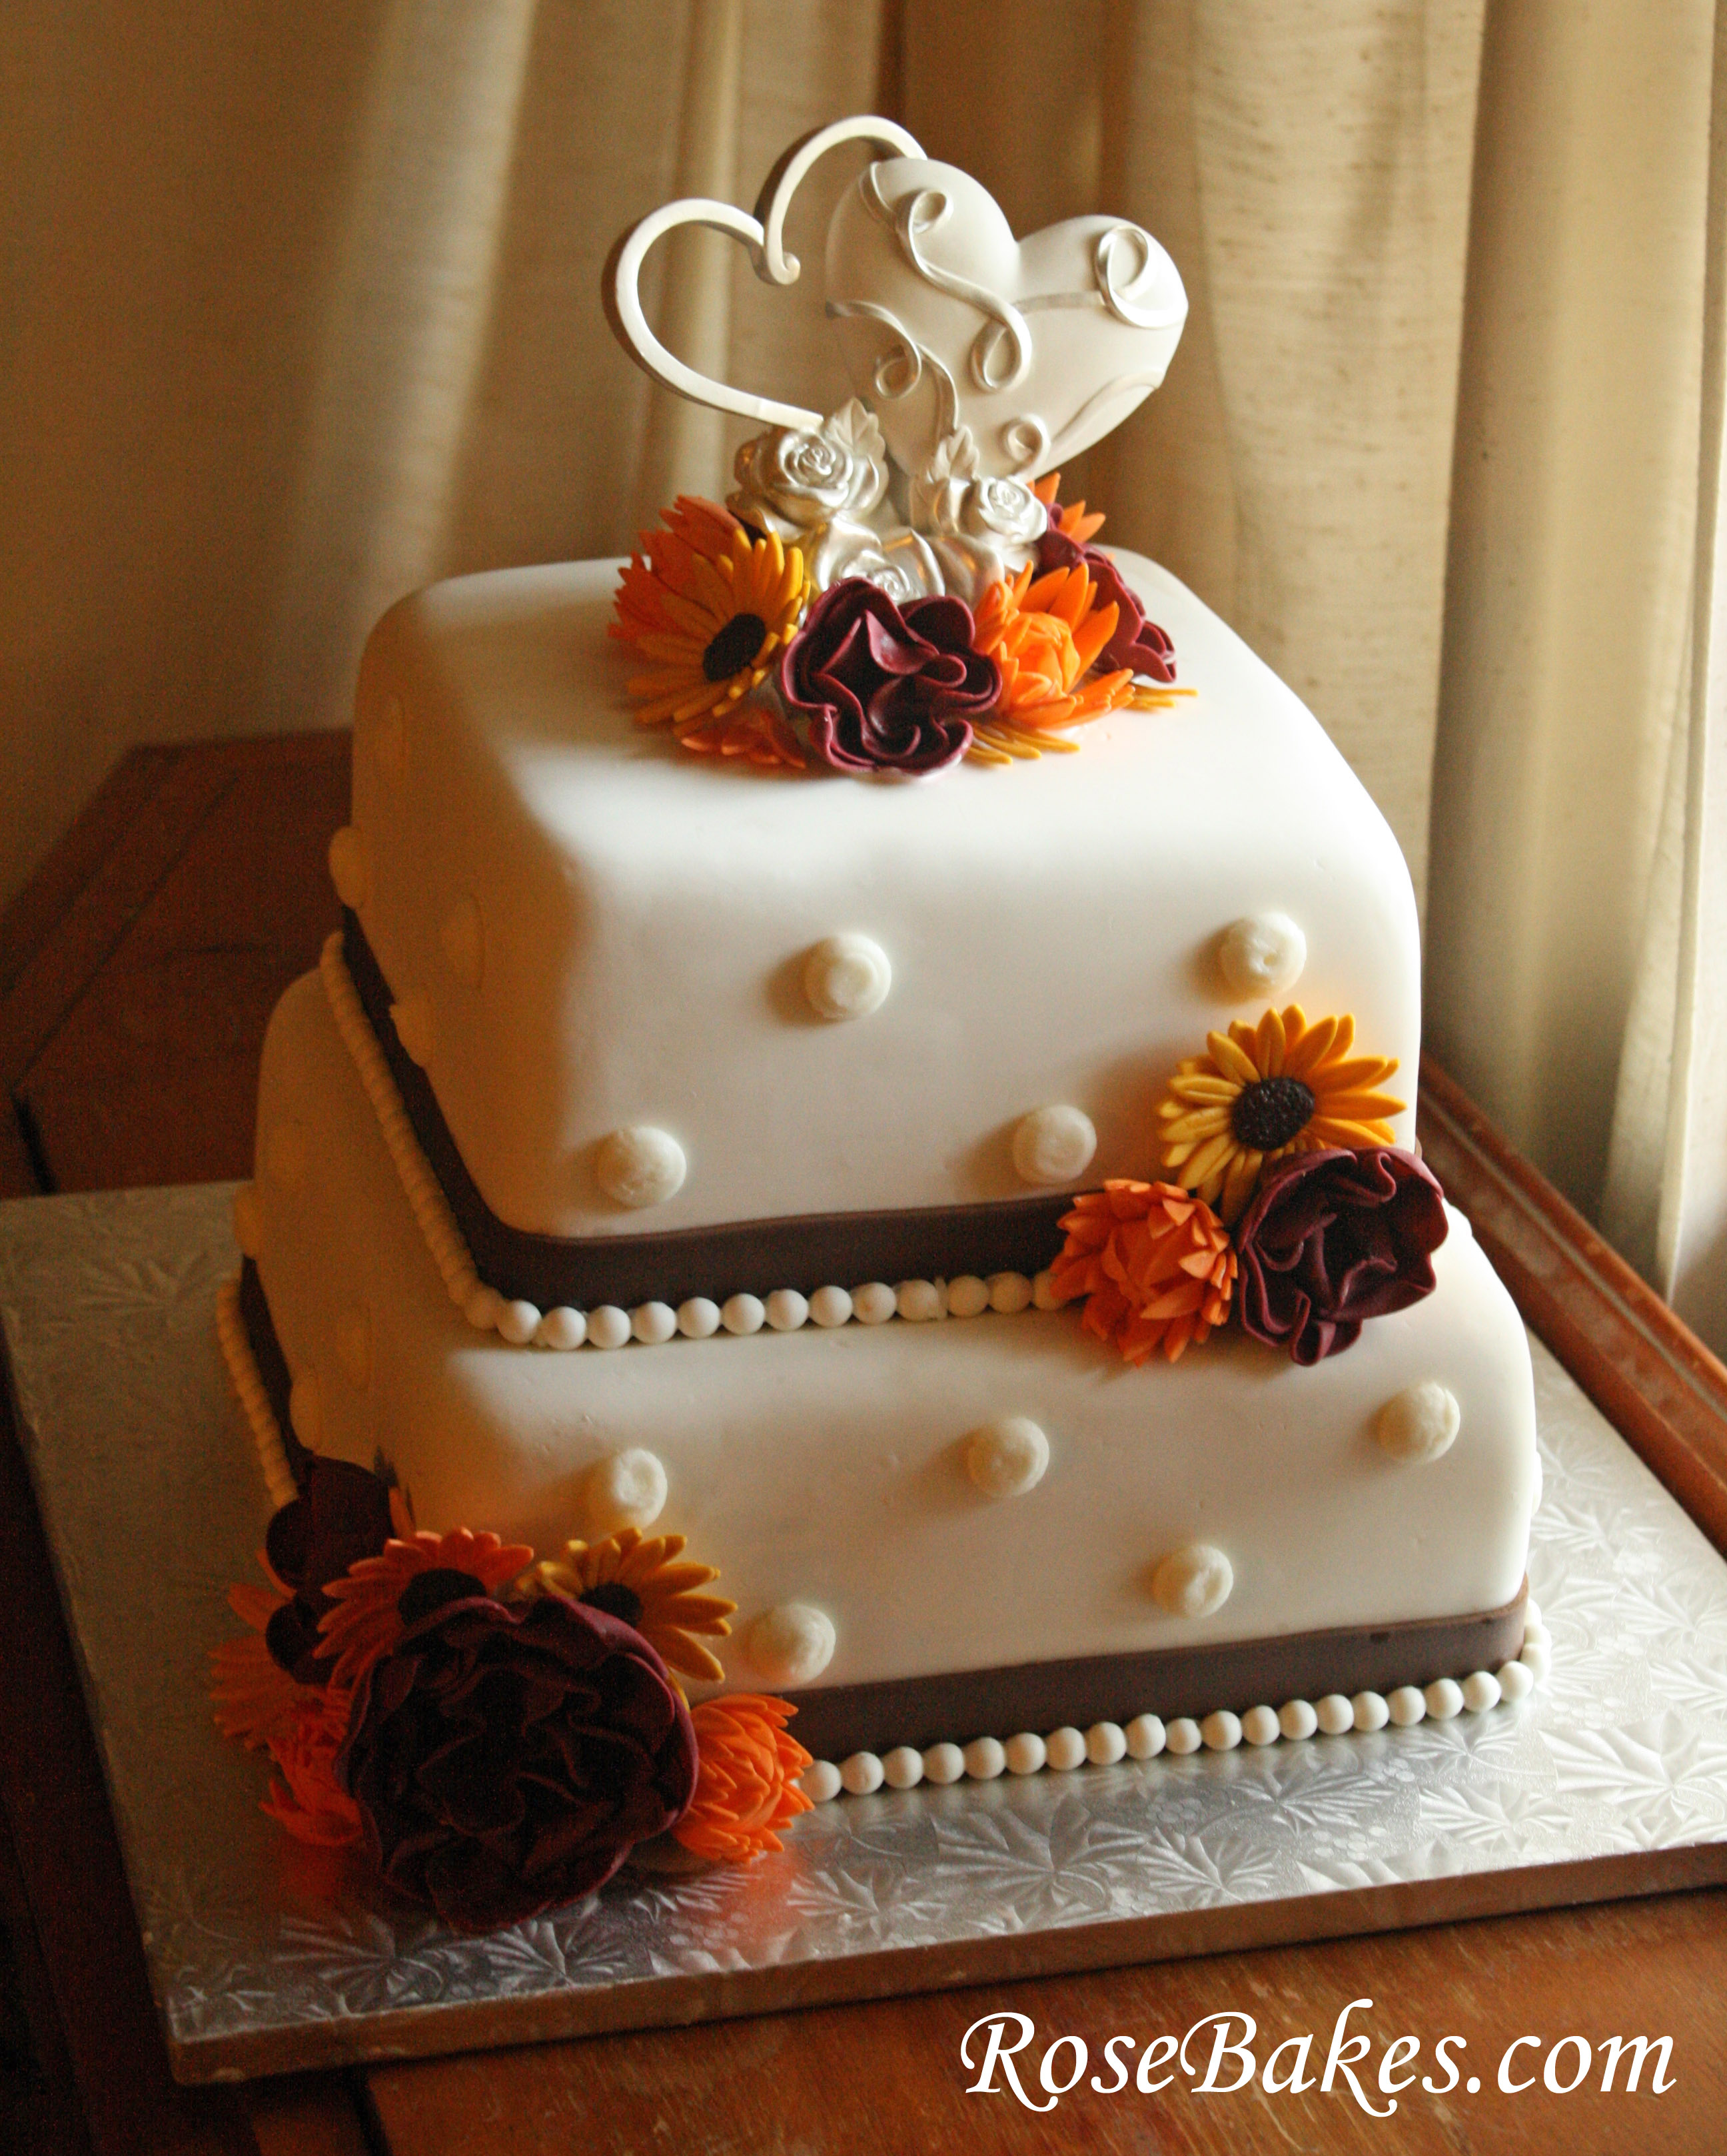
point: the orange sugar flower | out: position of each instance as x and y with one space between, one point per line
665 560
1046 637
1154 1263
746 1779
753 731
364 1625
304 1797
1071 520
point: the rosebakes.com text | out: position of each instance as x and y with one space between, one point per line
1217 2056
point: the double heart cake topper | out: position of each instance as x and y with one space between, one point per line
1034 347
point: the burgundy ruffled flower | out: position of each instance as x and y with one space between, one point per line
886 688
1334 1238
341 1514
1137 643
506 1758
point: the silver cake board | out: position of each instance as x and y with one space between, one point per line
267 1958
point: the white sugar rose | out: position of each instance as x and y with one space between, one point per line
1004 509
792 480
900 561
949 499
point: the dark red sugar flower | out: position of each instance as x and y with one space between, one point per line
1331 1238
342 1515
886 688
507 1758
1136 644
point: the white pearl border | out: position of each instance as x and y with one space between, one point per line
1146 1736
249 1385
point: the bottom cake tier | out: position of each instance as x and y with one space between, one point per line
909 1565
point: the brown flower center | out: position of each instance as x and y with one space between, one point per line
431 1590
616 1599
737 643
1270 1113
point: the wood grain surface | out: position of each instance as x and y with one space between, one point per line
137 974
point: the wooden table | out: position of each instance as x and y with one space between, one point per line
136 972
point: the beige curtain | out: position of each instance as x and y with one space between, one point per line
298 312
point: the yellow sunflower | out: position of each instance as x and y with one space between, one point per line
711 622
643 1583
1263 1091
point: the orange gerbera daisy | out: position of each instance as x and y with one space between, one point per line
365 1624
253 1696
709 605
1261 1091
1046 637
1071 520
304 1797
747 1778
643 1583
754 731
1154 1265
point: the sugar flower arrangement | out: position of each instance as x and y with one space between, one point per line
1287 1203
795 625
498 1734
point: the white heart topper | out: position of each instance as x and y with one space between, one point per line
1039 347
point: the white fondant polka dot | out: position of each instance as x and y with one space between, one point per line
1221 1731
862 1774
389 741
1297 1720
518 1323
902 1768
1066 1749
248 1222
821 1782
608 1327
1105 1742
1010 1293
985 1758
1444 1697
1026 1753
462 933
787 1310
1054 1145
698 1319
1335 1713
791 1644
829 1307
967 1296
416 1027
1482 1691
1406 1706
874 1302
1517 1680
1182 1736
350 867
1420 1423
1261 955
306 1409
943 1764
562 1328
287 1154
847 977
653 1323
628 1490
918 1301
483 1308
1146 1736
1194 1582
743 1313
1260 1726
1007 1457
640 1165
1372 1712
353 1344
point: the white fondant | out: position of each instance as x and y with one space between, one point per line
248 1222
305 1410
1194 1582
608 1327
1260 1726
518 1322
462 934
350 867
1517 1679
625 1490
967 1296
1297 1720
902 1768
1007 1457
1482 1691
416 1025
847 977
1053 1146
1420 1423
786 1310
743 1314
640 1165
1262 957
985 1758
389 741
1026 1753
1182 1736
1221 1731
1372 1712
821 1783
1444 1697
1065 1749
874 1303
943 1764
919 1301
353 1344
1010 1293
829 1307
862 1774
698 1319
562 1328
791 1644
1335 1713
1406 1706
1105 1742
287 1153
1146 1736
653 1323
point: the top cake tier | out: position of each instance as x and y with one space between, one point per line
586 931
